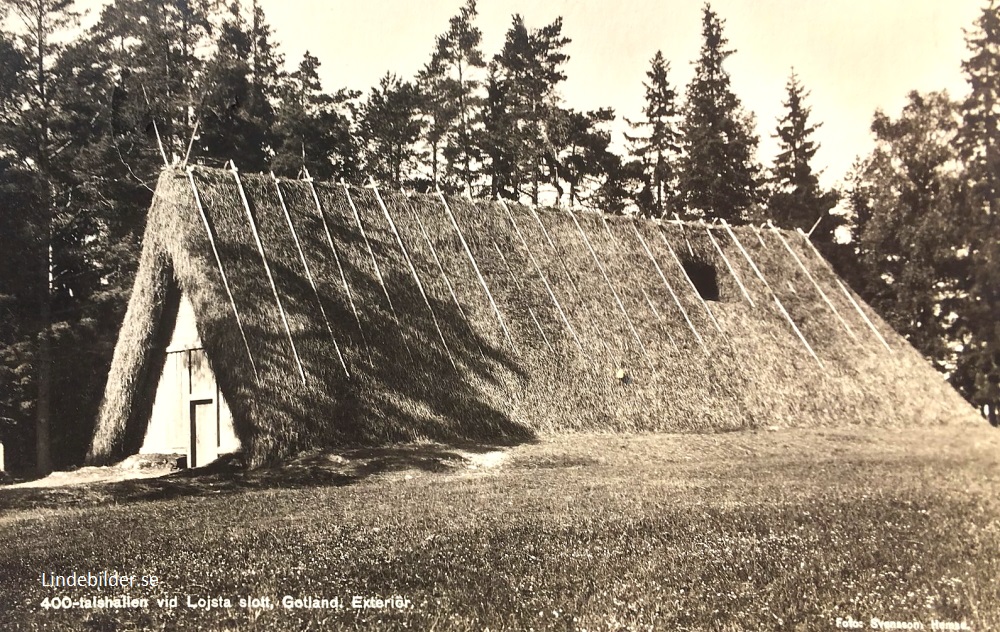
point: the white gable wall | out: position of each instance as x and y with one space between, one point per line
186 382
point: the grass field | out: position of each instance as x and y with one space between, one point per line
787 530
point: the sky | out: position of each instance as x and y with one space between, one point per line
854 56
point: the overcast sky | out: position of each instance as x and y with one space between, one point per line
853 55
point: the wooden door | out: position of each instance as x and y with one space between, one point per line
204 407
204 432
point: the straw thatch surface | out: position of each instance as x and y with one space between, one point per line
402 384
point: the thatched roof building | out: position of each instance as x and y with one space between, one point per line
285 315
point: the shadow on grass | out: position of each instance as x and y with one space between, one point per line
229 475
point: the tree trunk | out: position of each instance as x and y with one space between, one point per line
466 176
494 184
535 166
658 176
434 162
43 453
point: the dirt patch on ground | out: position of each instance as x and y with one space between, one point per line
134 467
484 461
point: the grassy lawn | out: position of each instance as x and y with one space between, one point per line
741 531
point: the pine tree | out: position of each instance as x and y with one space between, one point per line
13 74
390 127
35 142
796 199
454 64
439 115
526 73
21 215
718 173
313 129
242 81
498 143
582 158
104 167
150 54
658 147
20 297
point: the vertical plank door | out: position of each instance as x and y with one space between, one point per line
204 433
204 410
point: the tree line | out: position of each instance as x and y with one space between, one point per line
88 119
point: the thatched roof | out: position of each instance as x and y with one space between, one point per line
603 333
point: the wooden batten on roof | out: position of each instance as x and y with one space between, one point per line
330 315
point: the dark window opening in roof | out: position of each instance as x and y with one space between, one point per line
704 277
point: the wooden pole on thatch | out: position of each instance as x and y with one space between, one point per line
680 224
156 130
378 270
670 289
267 270
822 294
729 266
864 316
194 134
614 293
777 301
447 281
413 270
520 290
222 272
309 276
694 288
847 293
756 231
541 275
659 318
475 267
815 225
569 277
812 247
555 252
336 258
649 303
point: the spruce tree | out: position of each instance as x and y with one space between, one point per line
657 142
718 172
796 199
